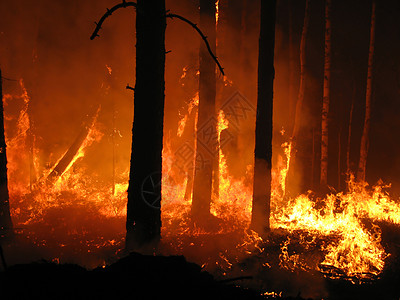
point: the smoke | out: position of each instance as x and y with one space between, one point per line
47 44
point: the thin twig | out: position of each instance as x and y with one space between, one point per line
128 87
169 15
109 12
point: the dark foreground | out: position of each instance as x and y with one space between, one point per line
133 277
138 276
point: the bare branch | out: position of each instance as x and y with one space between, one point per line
108 13
128 87
169 15
125 4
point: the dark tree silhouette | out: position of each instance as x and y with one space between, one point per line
263 139
362 165
5 216
143 224
290 179
326 98
206 148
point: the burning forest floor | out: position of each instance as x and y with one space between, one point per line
342 246
279 269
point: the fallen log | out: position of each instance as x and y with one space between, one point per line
62 165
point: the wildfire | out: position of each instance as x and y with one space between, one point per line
194 102
234 202
342 228
63 210
217 11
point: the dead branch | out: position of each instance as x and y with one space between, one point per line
128 87
125 4
169 15
109 12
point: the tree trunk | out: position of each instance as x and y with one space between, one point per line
300 97
368 96
326 98
207 138
292 68
143 223
263 138
348 166
5 217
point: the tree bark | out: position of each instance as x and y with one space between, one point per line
206 147
326 98
143 222
300 100
5 216
368 96
349 134
302 88
263 137
292 68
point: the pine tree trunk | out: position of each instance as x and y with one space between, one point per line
368 96
292 69
348 167
207 138
5 217
326 98
143 223
300 98
263 138
302 88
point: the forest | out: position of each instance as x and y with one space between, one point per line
213 148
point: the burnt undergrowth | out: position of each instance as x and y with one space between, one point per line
214 266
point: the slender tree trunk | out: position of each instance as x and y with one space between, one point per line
339 173
348 167
302 88
300 97
263 138
143 223
326 98
313 159
365 135
206 148
292 68
5 216
114 131
189 184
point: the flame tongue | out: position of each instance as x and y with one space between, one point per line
342 228
76 150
